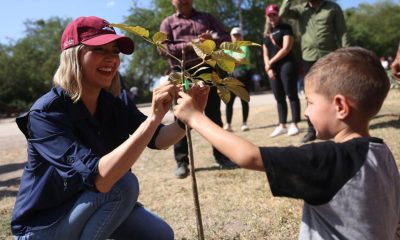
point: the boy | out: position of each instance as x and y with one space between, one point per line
351 185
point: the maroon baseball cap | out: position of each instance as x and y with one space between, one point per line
273 8
94 31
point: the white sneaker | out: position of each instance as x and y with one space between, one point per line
228 128
244 128
278 131
293 130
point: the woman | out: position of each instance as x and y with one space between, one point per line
242 73
280 68
82 140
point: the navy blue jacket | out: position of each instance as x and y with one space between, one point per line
65 143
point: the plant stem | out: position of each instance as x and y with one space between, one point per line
200 231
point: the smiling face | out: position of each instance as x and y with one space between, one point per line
99 65
273 19
321 112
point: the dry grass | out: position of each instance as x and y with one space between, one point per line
235 204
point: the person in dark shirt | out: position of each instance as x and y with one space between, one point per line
351 185
323 29
181 28
83 136
280 68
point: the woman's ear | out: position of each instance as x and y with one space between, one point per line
342 106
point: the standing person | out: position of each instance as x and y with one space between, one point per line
323 30
281 70
242 73
341 181
83 137
184 26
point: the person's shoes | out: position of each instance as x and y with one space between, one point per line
278 131
292 130
182 171
228 128
225 163
310 136
245 128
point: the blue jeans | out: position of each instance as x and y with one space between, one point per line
115 214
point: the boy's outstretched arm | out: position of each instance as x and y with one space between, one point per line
237 149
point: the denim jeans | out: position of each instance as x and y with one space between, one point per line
115 214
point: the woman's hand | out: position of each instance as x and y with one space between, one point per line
271 74
162 99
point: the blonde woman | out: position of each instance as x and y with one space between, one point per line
82 141
281 71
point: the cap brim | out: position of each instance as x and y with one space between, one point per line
273 12
125 44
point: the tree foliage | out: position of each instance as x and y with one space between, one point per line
375 27
27 65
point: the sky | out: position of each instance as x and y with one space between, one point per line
14 13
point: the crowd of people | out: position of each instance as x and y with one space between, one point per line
85 134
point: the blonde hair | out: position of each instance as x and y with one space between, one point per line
354 72
267 27
69 75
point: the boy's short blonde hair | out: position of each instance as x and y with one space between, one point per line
69 74
354 72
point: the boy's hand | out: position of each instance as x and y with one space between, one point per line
199 93
193 102
395 68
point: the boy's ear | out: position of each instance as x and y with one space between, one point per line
342 106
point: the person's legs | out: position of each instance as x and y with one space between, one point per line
245 105
181 157
229 112
279 94
143 224
94 215
311 134
213 111
289 82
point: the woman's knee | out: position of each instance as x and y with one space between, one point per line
128 187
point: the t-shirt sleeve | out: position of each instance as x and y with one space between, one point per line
287 30
313 172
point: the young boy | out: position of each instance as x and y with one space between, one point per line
351 185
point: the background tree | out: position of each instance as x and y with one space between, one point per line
29 65
375 27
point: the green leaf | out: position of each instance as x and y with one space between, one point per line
215 78
137 30
199 70
205 77
204 48
246 43
199 51
232 81
175 77
211 62
227 66
224 94
230 46
159 37
240 92
221 55
208 46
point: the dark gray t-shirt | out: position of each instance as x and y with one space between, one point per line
351 190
